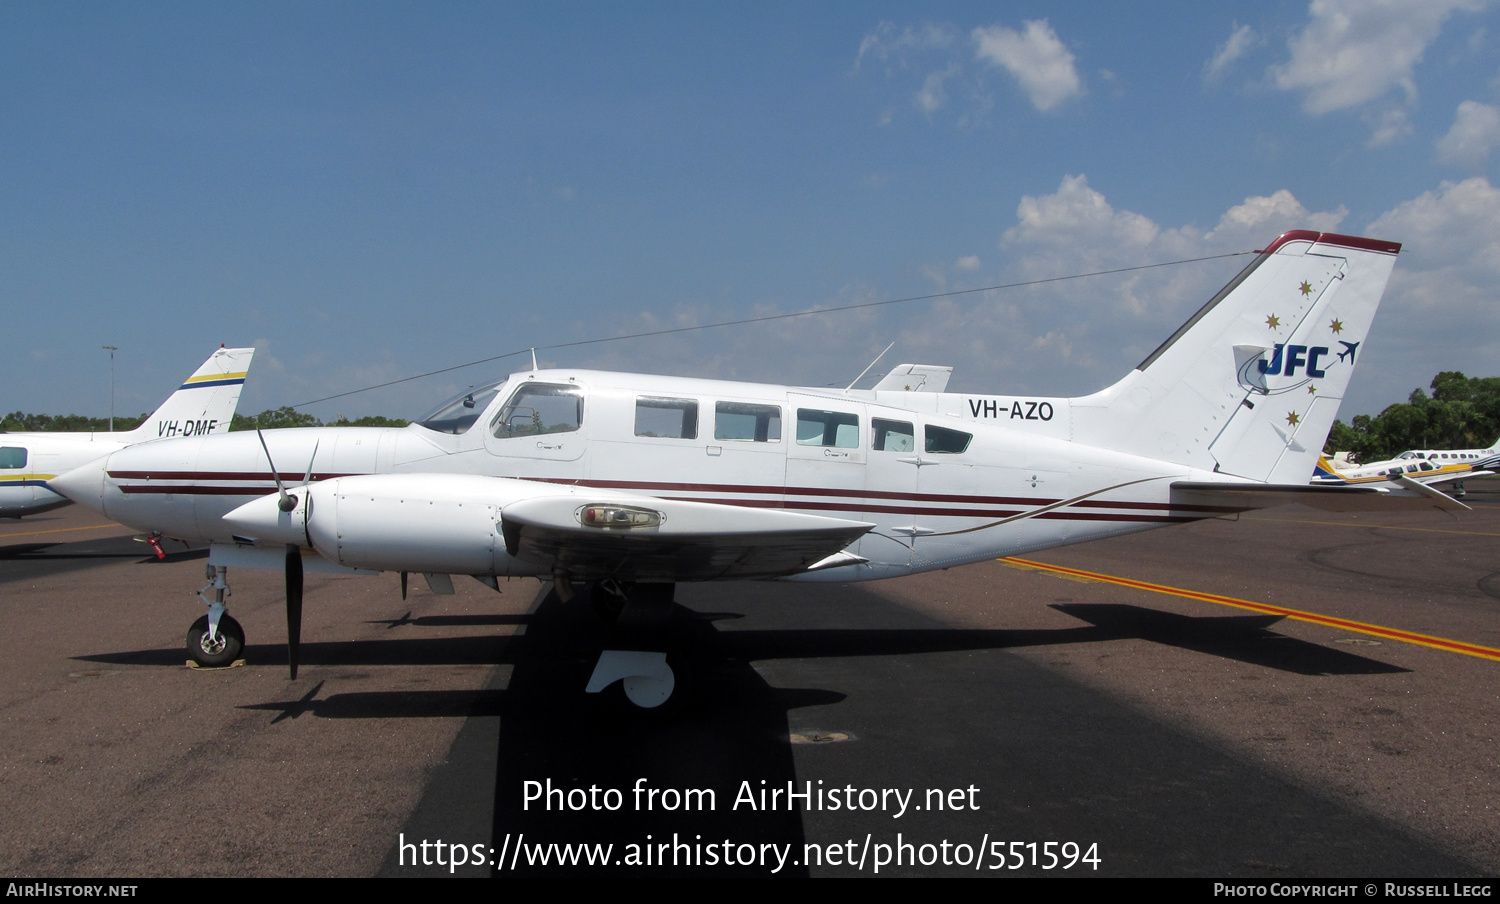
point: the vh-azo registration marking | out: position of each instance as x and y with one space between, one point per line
1019 409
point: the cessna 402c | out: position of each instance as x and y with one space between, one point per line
636 482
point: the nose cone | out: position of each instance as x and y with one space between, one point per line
263 520
84 485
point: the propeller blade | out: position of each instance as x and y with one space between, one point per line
403 585
307 479
288 502
293 604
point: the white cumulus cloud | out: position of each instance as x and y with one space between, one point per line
1439 309
1035 57
1240 42
1352 52
933 97
1475 132
1077 215
886 42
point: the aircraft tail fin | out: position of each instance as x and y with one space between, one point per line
1325 470
1249 386
204 404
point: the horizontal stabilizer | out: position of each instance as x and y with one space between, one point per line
1248 496
915 378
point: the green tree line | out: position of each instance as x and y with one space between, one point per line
1462 413
21 422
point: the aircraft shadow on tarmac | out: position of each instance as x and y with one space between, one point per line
1056 759
1244 638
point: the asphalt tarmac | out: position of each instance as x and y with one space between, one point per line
999 719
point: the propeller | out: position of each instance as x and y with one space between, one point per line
287 504
293 605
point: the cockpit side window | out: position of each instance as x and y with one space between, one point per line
892 436
944 441
12 457
538 408
458 414
666 418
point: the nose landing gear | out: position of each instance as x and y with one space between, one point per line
215 640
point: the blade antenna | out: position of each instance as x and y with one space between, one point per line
867 369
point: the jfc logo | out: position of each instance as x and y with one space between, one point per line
1311 362
1295 356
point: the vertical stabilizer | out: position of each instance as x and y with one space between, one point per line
1250 385
204 404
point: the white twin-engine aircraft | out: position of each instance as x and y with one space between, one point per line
1418 469
637 482
204 404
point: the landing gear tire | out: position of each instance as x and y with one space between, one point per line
656 699
215 652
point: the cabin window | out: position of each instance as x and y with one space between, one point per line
538 408
666 418
827 428
892 436
457 415
945 441
747 423
12 457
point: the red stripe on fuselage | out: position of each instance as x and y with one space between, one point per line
950 506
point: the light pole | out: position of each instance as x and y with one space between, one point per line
112 349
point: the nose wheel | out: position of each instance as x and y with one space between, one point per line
220 647
219 650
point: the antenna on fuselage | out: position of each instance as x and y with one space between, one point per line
533 359
867 369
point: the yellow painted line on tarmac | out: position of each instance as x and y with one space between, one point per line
1440 643
59 530
1425 530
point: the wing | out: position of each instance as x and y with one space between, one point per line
649 539
471 524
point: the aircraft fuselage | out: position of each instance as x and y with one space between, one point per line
945 478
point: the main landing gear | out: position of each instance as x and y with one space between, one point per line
641 669
215 640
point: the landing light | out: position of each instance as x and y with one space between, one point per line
618 517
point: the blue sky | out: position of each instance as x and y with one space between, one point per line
367 191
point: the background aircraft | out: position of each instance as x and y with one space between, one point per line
1424 466
636 482
203 405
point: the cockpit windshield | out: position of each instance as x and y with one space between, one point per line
458 414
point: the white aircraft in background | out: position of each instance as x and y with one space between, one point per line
637 482
1425 467
203 405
